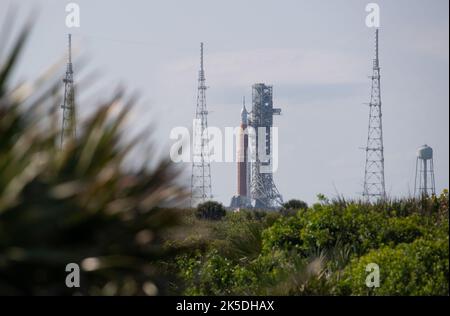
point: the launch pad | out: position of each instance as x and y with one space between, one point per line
256 188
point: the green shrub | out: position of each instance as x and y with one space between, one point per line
210 210
295 205
402 229
419 268
284 234
211 274
322 227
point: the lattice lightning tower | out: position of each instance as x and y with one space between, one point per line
374 183
201 168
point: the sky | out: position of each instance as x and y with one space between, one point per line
316 54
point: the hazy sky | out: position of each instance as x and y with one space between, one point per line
316 54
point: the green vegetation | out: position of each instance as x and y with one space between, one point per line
210 210
295 205
417 268
324 250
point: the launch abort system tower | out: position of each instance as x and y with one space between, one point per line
263 190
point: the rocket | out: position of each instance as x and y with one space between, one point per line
242 155
242 199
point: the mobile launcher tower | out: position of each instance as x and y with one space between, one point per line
255 171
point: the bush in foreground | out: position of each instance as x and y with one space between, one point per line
77 205
419 268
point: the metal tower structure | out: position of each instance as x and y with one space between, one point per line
201 168
263 189
374 182
68 129
424 181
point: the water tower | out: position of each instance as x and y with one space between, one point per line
424 181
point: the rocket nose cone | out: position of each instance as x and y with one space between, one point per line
244 112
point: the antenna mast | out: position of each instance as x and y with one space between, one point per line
374 182
68 129
201 168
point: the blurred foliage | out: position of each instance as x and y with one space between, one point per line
77 205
